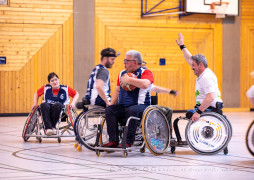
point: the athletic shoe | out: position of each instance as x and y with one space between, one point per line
111 144
54 132
49 132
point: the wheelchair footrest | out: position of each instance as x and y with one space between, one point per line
174 143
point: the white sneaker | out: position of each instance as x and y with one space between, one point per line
54 132
49 132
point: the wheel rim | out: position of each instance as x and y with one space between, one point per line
209 134
87 127
30 124
250 138
156 131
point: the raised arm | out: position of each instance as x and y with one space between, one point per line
185 51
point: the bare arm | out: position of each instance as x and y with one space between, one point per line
185 51
114 98
99 87
205 104
74 100
36 97
160 89
252 100
140 83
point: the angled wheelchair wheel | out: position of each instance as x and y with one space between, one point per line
104 138
30 124
155 130
210 134
250 138
72 114
86 127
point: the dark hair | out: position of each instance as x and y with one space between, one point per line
108 52
51 75
200 58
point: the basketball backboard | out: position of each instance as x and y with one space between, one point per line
231 7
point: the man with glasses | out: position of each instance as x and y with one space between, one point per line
207 91
129 103
98 86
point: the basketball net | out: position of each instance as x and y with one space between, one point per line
219 8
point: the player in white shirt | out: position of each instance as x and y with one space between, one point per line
206 90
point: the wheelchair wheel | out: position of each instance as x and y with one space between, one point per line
208 135
30 123
86 127
104 138
155 130
72 114
250 138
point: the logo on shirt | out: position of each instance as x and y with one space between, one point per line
62 96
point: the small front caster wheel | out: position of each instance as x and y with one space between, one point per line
98 153
59 140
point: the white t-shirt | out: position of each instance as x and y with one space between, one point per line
250 92
207 83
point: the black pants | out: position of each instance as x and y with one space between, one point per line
119 114
50 114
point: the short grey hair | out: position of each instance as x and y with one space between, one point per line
200 58
135 55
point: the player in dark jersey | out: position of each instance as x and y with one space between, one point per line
56 96
98 86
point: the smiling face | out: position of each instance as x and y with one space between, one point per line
54 82
197 68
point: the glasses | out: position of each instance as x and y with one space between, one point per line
126 60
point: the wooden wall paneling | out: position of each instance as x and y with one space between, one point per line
65 60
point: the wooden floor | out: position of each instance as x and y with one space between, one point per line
53 160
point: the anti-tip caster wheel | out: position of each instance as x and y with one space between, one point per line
79 148
39 139
173 148
225 151
76 145
125 153
98 153
143 150
59 140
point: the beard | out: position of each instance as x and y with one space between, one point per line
108 64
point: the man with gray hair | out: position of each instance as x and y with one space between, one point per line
129 103
207 91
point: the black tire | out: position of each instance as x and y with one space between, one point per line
250 138
156 131
210 134
30 123
86 127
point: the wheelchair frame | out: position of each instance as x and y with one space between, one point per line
34 124
249 138
138 144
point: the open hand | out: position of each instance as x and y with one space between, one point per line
179 42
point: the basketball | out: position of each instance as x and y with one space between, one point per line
129 87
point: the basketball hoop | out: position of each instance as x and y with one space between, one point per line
219 8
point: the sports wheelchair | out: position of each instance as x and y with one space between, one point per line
34 126
152 131
250 138
86 124
208 135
